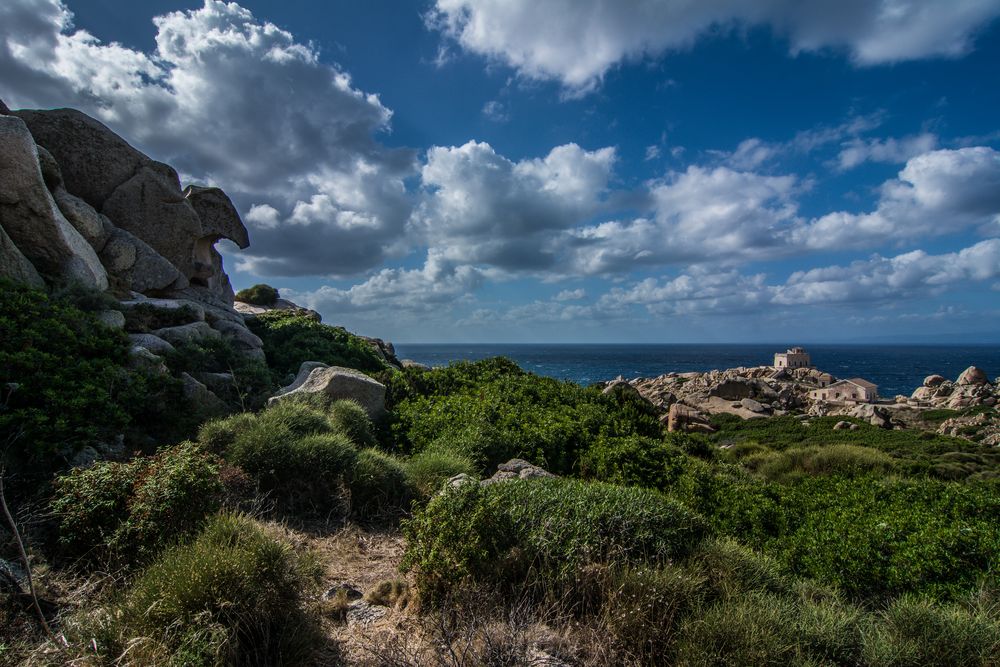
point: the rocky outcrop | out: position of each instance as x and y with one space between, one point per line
78 204
336 382
972 376
33 221
972 388
516 469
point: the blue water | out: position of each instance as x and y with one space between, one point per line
896 369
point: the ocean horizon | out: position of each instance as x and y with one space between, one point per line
896 369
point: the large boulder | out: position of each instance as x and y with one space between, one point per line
84 218
337 382
94 160
15 266
516 469
219 218
933 380
732 390
31 218
972 376
152 207
137 265
186 333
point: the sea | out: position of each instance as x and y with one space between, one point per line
896 369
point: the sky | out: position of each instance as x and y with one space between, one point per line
567 170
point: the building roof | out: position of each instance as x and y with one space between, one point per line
863 383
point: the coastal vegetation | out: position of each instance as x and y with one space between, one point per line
779 540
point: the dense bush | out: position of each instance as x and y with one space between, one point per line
145 317
541 533
291 337
428 470
231 596
128 511
65 383
491 411
828 460
379 485
258 295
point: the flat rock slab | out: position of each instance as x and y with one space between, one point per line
340 383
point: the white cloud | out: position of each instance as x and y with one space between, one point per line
699 214
496 112
571 295
652 152
858 151
216 77
576 42
936 193
910 275
481 208
435 286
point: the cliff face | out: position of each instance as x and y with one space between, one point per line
78 204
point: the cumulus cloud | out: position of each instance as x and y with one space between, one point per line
439 283
936 193
571 295
496 112
217 76
576 42
858 151
699 214
905 276
481 208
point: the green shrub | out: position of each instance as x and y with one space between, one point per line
829 460
232 596
916 631
643 607
764 629
731 569
492 411
351 418
65 384
290 338
547 528
379 485
129 511
258 295
428 470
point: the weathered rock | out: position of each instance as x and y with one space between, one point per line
187 333
460 479
516 469
345 589
933 380
251 310
51 173
752 405
410 363
842 425
83 217
93 159
219 218
153 209
31 218
199 396
154 344
216 382
4 111
362 612
972 376
133 261
732 390
241 337
15 266
113 319
337 382
140 357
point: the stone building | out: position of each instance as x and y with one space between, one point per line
794 357
854 390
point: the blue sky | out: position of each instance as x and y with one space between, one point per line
568 170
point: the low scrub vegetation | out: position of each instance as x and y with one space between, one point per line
233 595
258 295
291 337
